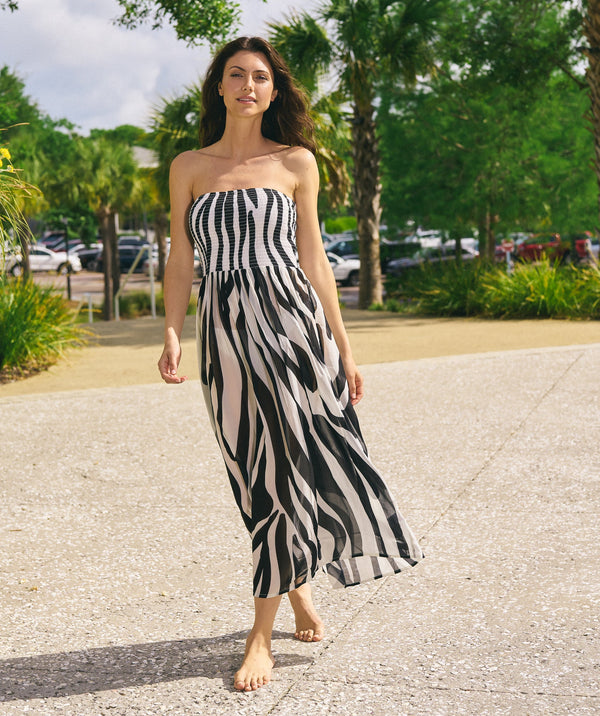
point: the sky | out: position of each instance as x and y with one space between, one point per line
76 64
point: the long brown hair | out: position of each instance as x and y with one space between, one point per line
286 121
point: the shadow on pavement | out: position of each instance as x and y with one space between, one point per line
117 667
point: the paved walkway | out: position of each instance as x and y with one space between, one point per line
125 570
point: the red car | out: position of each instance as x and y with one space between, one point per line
586 246
540 246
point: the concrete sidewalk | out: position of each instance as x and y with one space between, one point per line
125 568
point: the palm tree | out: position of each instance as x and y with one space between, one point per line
307 52
175 128
104 174
361 44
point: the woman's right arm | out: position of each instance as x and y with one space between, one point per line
179 271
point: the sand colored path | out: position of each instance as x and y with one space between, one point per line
125 352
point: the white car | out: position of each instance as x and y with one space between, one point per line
10 261
43 259
346 271
468 243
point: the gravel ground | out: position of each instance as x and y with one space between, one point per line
125 569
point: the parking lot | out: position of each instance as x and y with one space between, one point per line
91 284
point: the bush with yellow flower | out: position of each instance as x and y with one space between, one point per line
13 191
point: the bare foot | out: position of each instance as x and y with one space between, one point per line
309 626
257 665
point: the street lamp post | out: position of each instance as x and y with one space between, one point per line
65 221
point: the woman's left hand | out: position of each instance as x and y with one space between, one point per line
355 381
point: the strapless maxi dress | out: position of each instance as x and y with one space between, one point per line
279 404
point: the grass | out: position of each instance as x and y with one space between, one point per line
541 290
36 328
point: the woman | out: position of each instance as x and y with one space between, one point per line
276 366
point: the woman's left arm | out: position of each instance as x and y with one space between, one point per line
313 261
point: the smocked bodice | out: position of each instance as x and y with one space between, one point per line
244 229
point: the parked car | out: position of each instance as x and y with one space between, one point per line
43 259
146 262
345 270
51 238
586 246
539 246
388 249
61 245
391 250
10 261
127 256
429 255
87 254
468 242
344 248
132 240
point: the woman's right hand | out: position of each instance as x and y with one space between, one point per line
168 363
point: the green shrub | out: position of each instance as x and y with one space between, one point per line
36 326
441 289
472 288
394 305
340 224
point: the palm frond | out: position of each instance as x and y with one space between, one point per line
304 45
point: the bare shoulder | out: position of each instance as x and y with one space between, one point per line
299 159
188 162
301 163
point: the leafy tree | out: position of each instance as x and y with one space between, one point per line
463 139
450 156
365 43
125 134
15 106
105 176
193 20
590 12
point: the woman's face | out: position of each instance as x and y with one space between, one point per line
247 85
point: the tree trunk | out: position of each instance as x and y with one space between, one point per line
487 237
367 196
24 237
591 30
104 221
161 224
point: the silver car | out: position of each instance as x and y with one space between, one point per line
346 271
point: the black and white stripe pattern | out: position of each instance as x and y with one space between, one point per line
279 404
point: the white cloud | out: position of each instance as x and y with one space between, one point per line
77 64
